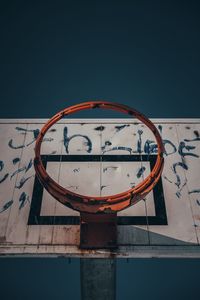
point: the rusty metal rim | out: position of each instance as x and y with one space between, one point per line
121 200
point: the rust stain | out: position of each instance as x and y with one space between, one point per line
2 239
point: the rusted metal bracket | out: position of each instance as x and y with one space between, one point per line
98 231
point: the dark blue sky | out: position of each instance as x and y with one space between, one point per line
141 53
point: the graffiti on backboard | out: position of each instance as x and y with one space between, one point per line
21 172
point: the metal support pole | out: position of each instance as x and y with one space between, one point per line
98 279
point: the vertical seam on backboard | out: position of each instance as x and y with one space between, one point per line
178 137
145 204
101 153
17 175
62 148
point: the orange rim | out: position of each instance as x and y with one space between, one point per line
106 204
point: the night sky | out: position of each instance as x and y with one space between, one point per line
141 53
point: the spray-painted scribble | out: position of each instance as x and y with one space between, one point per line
99 128
150 147
160 128
22 182
1 165
142 146
1 168
140 172
178 193
6 206
174 168
4 178
23 199
67 140
29 165
17 171
120 127
10 144
198 202
168 142
15 160
139 142
52 130
197 137
103 187
53 152
24 168
182 147
194 191
107 143
166 178
35 133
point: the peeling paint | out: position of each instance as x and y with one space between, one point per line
110 167
75 187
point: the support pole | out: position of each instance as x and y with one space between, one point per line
98 278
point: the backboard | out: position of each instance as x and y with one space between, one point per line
100 157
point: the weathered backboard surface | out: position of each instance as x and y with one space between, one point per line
100 157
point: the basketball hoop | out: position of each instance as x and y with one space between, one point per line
106 206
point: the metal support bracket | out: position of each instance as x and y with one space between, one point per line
98 231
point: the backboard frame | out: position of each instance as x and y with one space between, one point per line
137 250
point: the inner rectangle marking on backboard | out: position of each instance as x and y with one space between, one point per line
37 218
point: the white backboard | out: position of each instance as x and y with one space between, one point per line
100 157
